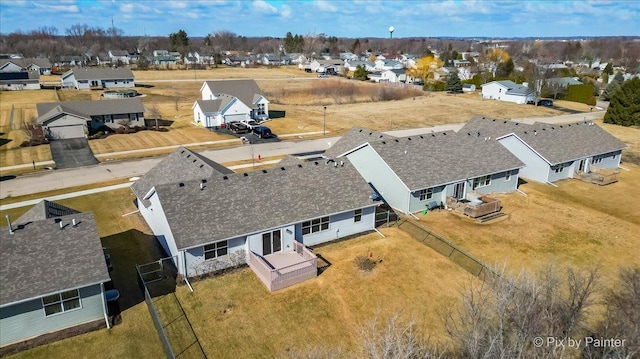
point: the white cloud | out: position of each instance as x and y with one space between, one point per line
285 10
60 8
325 6
264 7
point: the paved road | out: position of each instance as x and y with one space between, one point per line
58 179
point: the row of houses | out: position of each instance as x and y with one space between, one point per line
192 205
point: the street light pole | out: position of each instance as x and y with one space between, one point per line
324 122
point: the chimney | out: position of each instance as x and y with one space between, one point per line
11 231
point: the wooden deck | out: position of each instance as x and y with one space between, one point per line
282 269
598 175
468 208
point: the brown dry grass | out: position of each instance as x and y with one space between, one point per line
579 224
325 312
222 72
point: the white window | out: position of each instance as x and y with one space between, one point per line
481 181
426 194
315 225
133 117
216 250
507 176
61 302
357 215
559 168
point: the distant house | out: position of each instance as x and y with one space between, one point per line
164 57
52 276
415 172
17 81
40 65
552 152
225 101
468 88
394 76
87 78
293 206
120 57
321 65
369 66
562 82
72 119
507 91
387 64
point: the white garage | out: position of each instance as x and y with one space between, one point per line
58 125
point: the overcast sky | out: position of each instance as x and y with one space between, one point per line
341 18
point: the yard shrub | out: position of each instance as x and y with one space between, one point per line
624 107
579 93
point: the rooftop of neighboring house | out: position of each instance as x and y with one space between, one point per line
179 166
563 81
42 258
119 53
246 90
556 143
354 138
226 206
26 62
31 76
89 108
99 73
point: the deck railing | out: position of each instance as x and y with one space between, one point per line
278 278
489 205
598 175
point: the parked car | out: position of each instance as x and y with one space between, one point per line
250 124
238 127
322 75
262 131
545 102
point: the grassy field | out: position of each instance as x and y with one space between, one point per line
576 223
411 279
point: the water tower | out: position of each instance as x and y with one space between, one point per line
391 29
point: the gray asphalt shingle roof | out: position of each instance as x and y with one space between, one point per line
91 73
514 89
44 210
91 108
244 89
439 158
556 143
41 259
250 202
213 106
26 62
352 139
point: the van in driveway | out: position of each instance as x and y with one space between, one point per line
262 132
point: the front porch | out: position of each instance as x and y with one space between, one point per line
598 175
475 206
282 269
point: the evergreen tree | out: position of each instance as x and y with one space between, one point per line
624 107
360 73
454 84
179 41
614 86
608 69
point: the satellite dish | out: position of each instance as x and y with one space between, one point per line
391 29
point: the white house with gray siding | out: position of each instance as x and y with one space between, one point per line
225 101
84 78
507 91
552 152
413 173
52 275
208 218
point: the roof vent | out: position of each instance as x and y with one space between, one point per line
282 168
299 166
384 142
444 133
525 132
189 155
264 171
409 138
201 166
560 126
341 163
182 151
181 184
225 177
202 186
203 181
360 130
245 174
61 225
535 133
421 136
433 135
316 162
505 122
74 222
397 140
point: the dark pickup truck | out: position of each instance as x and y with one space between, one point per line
237 127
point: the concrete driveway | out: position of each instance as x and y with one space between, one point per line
71 153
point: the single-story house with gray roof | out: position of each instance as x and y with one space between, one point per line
38 64
84 78
411 173
52 276
265 218
72 119
507 91
552 152
17 81
237 100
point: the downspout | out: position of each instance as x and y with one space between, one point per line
104 306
